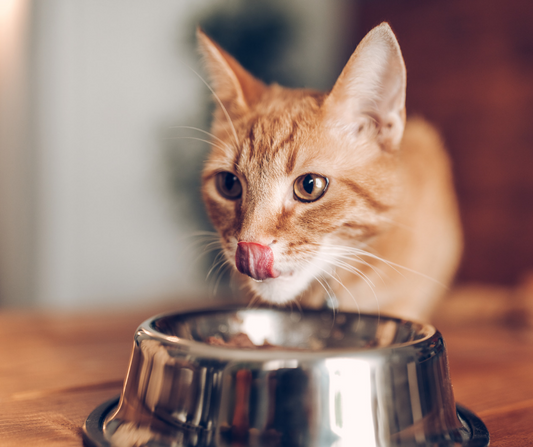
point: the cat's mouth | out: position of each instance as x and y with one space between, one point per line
256 261
281 276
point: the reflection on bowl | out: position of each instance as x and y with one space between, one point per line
314 379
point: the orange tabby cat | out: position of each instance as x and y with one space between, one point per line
331 196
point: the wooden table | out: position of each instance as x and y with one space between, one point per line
55 369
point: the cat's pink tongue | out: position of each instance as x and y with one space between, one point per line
255 260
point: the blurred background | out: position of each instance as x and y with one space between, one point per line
99 172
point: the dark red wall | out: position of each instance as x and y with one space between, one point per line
470 71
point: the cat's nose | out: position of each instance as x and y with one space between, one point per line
255 260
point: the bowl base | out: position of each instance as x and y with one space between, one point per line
93 429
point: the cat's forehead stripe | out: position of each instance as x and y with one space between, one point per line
266 140
285 139
251 141
291 160
270 134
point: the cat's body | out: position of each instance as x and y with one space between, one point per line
323 197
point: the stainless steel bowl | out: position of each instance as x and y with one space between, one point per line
311 378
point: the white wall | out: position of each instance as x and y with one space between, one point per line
16 259
109 74
99 225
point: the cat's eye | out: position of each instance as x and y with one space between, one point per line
228 185
310 187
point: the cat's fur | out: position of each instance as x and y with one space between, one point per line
390 189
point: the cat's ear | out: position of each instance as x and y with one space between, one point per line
236 89
371 89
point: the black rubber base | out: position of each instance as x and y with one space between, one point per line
93 429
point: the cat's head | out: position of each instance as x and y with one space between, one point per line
293 173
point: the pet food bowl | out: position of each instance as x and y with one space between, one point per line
269 377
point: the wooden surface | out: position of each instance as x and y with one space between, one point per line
55 370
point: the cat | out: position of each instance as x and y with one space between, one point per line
331 198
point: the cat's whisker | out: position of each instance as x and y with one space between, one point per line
193 245
357 272
298 305
224 110
208 247
226 145
201 255
199 235
363 277
235 285
203 246
396 267
375 269
350 268
332 259
348 291
219 274
376 299
357 304
340 258
201 240
254 300
222 148
354 254
203 233
219 259
327 290
340 252
289 305
204 241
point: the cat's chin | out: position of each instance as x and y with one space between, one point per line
283 289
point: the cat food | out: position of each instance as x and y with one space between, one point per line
240 340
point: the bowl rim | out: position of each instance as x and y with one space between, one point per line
147 330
